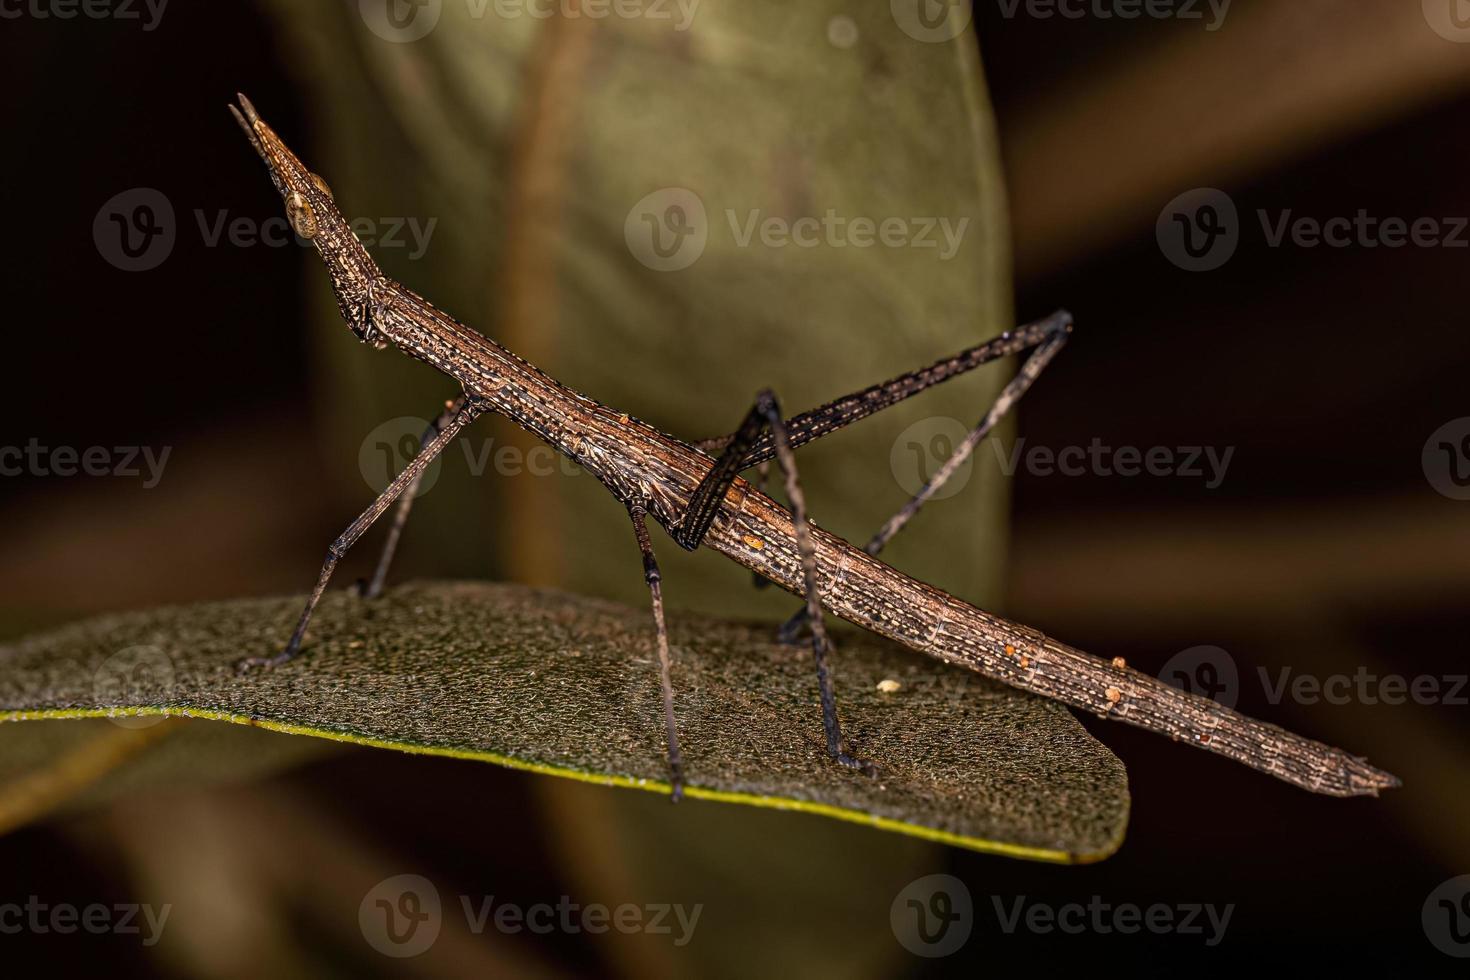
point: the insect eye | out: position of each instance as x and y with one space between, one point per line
299 213
321 185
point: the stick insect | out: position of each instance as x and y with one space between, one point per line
695 492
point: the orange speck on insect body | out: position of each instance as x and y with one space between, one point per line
1119 662
751 541
1114 695
1010 650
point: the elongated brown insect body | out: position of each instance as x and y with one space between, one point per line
699 500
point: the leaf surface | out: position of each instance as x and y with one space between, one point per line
568 686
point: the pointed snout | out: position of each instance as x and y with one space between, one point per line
287 171
315 217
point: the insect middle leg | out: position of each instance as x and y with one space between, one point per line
705 503
373 587
655 589
467 413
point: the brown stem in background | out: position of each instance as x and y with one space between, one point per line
526 291
1273 82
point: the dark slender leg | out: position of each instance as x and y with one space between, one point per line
705 503
364 521
655 589
1008 397
703 506
1030 370
844 411
766 404
374 586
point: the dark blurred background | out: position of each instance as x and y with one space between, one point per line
1328 546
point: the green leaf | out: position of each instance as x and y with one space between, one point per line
568 686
